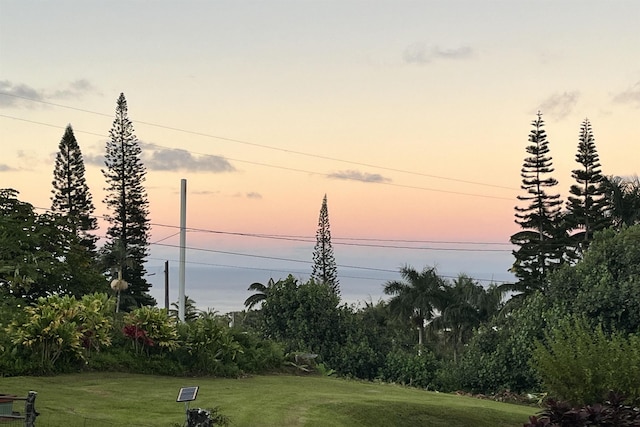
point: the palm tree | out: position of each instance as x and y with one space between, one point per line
190 310
260 295
466 305
416 298
623 200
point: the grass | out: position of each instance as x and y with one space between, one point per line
111 399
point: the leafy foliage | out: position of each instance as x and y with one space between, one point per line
605 285
150 328
580 365
615 412
623 200
39 256
415 299
410 368
61 328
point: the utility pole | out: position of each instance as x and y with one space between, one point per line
166 286
183 242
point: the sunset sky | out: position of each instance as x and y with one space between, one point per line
412 116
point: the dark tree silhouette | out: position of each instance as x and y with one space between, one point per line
324 263
127 200
416 298
71 197
542 239
622 200
586 205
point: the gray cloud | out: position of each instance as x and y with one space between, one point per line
559 105
13 93
629 96
204 192
359 176
253 195
174 159
75 89
420 54
5 168
93 159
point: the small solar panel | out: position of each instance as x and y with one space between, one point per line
187 394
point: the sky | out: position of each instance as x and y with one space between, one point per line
411 116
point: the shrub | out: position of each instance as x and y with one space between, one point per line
613 413
150 328
580 365
57 332
410 368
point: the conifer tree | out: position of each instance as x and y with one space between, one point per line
72 202
71 197
126 198
324 263
541 240
586 206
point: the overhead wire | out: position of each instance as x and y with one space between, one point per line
264 146
285 237
328 175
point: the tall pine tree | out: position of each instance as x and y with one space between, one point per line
126 198
586 205
71 197
72 202
541 240
324 263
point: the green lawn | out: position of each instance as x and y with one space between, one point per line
106 399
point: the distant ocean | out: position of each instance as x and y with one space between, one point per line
224 289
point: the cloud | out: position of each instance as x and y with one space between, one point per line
174 159
204 192
13 93
559 105
629 96
93 159
420 54
74 90
359 176
253 195
22 95
5 168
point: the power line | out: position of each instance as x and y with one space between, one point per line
328 175
312 239
268 147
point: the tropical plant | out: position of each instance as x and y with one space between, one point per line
580 364
260 294
150 327
127 199
465 305
305 317
416 299
616 411
324 262
62 328
604 285
190 311
622 200
32 250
